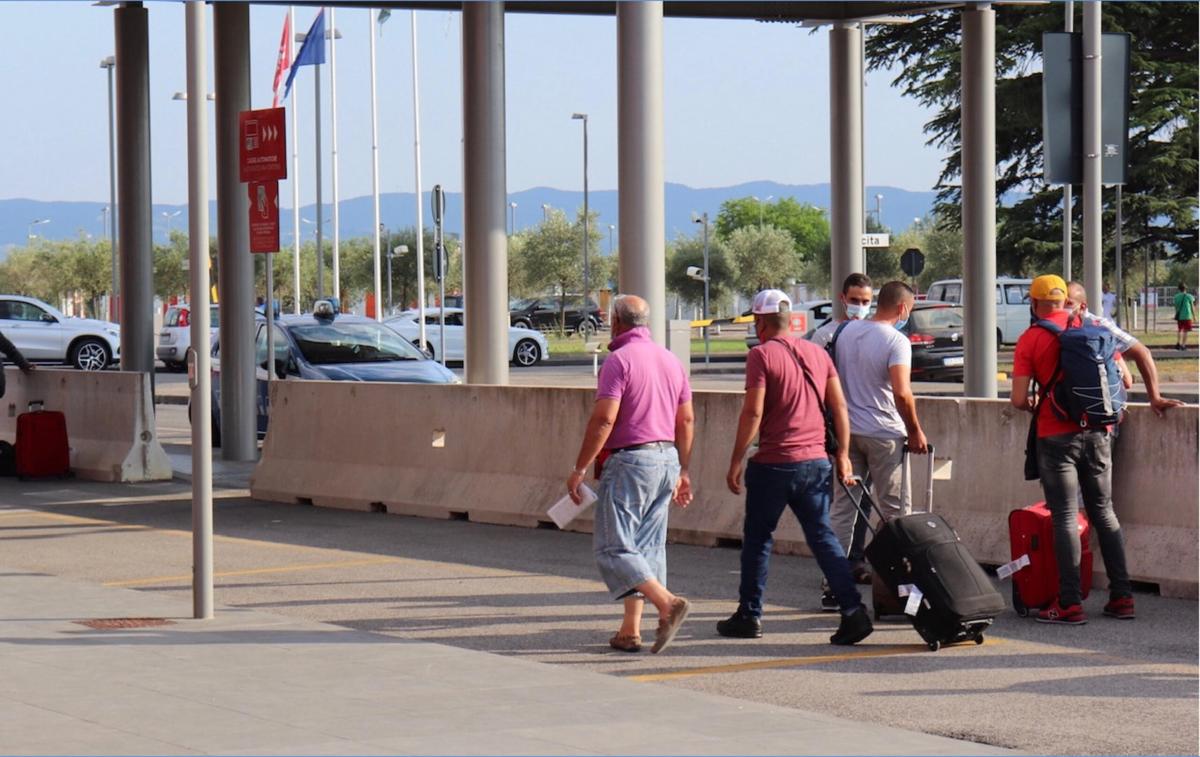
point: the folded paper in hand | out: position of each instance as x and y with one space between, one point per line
564 511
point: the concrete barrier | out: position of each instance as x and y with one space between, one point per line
502 454
110 420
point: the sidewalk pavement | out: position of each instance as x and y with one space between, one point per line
249 682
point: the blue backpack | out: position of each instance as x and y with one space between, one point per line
1086 387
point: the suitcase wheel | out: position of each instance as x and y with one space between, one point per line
935 646
979 639
1018 605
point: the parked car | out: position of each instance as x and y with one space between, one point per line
176 335
543 313
935 330
1012 304
44 335
526 347
329 346
819 313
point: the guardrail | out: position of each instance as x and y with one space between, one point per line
110 420
501 455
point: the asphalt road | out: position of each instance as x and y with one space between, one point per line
1107 687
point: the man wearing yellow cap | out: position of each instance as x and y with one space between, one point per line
1070 459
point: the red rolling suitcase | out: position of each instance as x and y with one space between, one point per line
1031 532
42 449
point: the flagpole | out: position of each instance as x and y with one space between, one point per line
375 167
295 181
420 211
317 174
337 269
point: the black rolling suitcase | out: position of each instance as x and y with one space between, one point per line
954 600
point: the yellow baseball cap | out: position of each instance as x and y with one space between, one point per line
1049 287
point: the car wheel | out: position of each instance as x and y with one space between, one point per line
527 353
89 355
427 349
999 337
521 323
586 328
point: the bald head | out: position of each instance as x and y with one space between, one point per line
630 311
1076 297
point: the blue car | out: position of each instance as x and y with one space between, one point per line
329 346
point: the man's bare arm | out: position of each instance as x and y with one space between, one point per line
1145 363
600 425
906 404
685 429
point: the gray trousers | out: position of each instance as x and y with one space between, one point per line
882 458
1071 464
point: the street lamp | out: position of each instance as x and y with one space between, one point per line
545 212
36 222
183 96
109 64
611 228
879 210
400 249
512 214
760 208
586 273
703 218
169 216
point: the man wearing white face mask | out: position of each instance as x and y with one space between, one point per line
856 296
874 360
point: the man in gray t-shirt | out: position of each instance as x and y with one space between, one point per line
874 361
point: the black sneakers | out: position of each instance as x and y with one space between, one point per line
828 602
854 628
739 626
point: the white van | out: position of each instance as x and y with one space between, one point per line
1012 304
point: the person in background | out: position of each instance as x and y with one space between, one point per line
856 296
643 418
10 351
1185 313
1108 302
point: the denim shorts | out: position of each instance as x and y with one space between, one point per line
630 536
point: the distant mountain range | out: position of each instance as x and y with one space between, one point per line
398 209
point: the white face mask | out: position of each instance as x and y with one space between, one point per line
857 312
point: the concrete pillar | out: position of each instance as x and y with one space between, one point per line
979 198
235 275
485 199
846 159
1093 233
136 246
640 185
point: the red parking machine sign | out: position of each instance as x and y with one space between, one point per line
264 216
262 145
798 323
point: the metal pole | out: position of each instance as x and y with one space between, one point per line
199 373
640 158
389 299
295 187
846 124
979 198
1093 233
417 168
231 65
1146 292
114 310
336 284
1067 220
1119 309
317 174
269 314
485 269
133 155
707 350
586 266
375 171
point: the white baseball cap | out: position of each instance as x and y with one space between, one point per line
771 301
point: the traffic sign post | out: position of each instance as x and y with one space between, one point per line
264 216
912 262
262 145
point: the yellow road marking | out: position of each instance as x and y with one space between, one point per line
890 650
256 571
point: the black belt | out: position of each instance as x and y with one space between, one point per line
646 445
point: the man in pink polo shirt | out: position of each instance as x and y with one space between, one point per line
643 419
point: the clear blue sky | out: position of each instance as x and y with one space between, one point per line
744 101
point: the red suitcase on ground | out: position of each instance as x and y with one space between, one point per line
1031 532
42 449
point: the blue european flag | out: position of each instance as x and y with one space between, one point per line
312 52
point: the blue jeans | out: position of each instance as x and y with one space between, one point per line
804 487
630 534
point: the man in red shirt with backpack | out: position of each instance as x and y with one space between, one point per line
1075 411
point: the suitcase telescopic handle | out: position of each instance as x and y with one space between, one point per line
906 485
37 406
865 499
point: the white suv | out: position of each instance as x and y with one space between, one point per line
1012 304
176 335
45 335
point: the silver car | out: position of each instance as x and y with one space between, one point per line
44 335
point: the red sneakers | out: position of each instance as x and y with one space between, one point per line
1071 615
1121 608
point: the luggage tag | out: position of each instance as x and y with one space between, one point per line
914 598
1007 569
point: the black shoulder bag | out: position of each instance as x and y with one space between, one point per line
831 443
